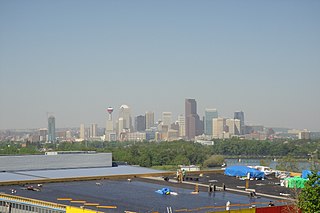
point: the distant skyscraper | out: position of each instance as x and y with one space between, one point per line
51 129
124 122
193 124
43 134
240 116
82 132
166 118
109 122
233 126
149 119
93 130
140 123
182 126
210 114
219 126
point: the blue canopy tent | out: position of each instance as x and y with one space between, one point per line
242 171
306 173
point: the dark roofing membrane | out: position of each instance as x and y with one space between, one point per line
136 196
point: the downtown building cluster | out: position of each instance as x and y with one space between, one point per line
188 126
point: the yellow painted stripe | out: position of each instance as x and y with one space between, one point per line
64 198
107 207
78 201
91 204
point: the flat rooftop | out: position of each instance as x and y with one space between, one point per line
34 175
135 195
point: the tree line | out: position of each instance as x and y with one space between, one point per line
176 152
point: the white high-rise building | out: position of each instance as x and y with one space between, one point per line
234 126
149 119
124 121
93 130
182 126
166 118
218 127
82 132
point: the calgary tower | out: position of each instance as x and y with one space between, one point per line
109 124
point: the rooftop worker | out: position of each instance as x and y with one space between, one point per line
183 174
179 176
271 203
228 205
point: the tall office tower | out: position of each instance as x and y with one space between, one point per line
51 129
182 126
233 126
192 121
82 132
240 116
125 122
149 119
209 115
140 123
219 127
166 118
93 130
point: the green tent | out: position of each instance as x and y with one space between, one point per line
296 182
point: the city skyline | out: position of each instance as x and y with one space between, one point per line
77 58
156 118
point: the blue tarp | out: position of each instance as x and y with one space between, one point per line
305 173
164 191
242 171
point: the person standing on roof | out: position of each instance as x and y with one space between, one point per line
228 205
271 203
183 174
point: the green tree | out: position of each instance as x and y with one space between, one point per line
310 195
214 161
288 163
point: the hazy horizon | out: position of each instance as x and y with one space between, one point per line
76 58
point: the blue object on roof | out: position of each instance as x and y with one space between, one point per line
164 191
306 173
242 171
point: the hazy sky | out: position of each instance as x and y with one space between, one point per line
75 58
